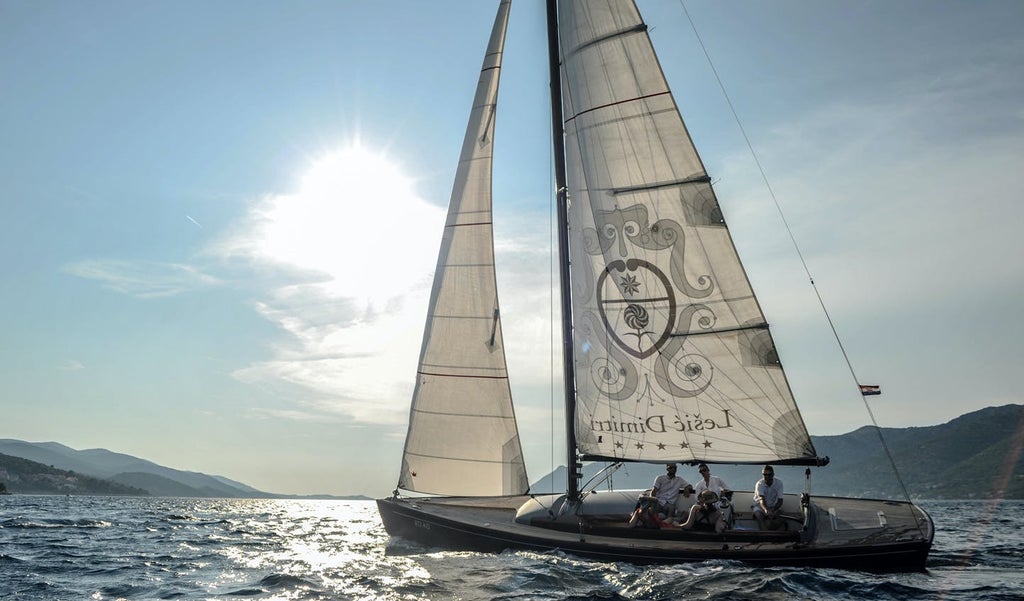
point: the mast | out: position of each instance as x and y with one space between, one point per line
561 199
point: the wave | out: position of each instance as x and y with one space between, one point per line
54 523
286 581
278 583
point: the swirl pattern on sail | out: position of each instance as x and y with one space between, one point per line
674 361
462 437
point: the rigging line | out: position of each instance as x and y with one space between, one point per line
617 103
467 415
461 376
474 223
461 459
757 326
700 179
792 237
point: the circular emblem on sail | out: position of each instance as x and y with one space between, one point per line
636 317
637 304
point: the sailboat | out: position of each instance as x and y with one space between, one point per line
667 354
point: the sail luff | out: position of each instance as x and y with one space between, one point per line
674 358
462 437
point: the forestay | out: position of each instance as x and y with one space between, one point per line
674 361
462 437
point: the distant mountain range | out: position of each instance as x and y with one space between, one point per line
978 455
52 468
22 475
975 456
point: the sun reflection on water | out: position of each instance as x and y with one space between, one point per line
326 546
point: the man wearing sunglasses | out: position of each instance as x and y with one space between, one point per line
767 500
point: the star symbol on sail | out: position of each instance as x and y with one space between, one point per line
683 445
661 446
629 285
639 445
618 444
707 443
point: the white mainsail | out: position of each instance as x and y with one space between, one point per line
673 357
462 437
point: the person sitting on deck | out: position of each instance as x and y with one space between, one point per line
706 508
662 498
767 500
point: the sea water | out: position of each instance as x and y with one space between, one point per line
71 548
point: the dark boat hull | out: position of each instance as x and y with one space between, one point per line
489 525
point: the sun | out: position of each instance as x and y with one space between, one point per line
357 220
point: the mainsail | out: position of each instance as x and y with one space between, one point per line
673 357
462 437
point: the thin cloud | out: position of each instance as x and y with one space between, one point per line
141 279
288 414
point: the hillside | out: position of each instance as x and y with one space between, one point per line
128 470
29 477
977 455
99 471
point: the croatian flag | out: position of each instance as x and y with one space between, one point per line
868 390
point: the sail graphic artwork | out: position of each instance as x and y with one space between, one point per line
668 356
667 329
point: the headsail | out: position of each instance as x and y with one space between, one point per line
674 361
462 437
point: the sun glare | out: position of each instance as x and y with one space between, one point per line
358 247
357 219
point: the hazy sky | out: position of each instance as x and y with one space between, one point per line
219 219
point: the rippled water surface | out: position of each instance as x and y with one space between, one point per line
57 548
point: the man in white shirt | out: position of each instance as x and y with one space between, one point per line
662 498
667 488
767 499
